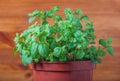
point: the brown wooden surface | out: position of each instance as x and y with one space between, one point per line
13 18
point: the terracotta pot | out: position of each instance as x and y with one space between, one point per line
67 71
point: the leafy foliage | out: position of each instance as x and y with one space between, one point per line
65 40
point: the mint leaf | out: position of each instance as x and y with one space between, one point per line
31 19
80 54
56 8
34 13
57 51
110 50
109 41
102 42
26 60
101 52
99 60
79 11
84 18
34 49
43 49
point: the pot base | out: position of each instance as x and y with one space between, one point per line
73 71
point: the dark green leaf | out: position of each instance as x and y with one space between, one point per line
76 24
53 44
57 17
84 18
63 59
102 42
71 45
63 50
80 54
101 52
99 60
92 42
110 50
93 49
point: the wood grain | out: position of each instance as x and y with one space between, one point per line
13 18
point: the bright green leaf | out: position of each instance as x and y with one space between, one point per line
57 51
56 8
79 11
34 13
31 19
43 49
34 49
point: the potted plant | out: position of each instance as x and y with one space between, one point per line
63 50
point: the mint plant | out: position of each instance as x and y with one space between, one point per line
65 40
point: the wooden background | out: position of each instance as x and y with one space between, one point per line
13 18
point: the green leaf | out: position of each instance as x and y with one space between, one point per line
63 50
36 60
15 51
43 49
110 50
26 60
63 59
31 19
16 39
101 52
57 17
53 45
102 42
57 51
99 60
79 11
34 13
93 49
51 57
89 25
76 22
80 54
56 8
71 45
59 38
68 11
77 33
109 41
79 46
34 49
19 47
84 18
49 14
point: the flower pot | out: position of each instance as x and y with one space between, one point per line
65 71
